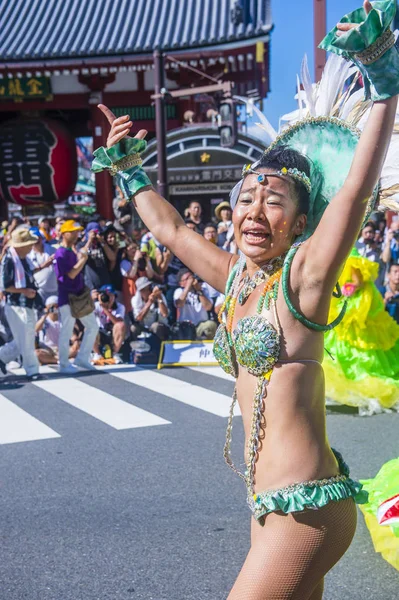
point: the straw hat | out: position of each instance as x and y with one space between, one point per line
220 207
23 237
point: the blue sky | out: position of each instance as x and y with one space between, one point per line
291 39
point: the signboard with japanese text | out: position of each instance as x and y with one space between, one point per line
202 180
210 188
187 354
205 175
37 162
23 88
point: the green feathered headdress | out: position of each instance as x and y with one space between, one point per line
327 125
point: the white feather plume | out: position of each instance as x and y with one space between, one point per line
333 97
263 122
336 73
308 87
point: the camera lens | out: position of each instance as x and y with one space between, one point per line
104 297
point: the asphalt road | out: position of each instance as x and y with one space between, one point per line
98 512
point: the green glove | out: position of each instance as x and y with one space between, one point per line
381 77
123 161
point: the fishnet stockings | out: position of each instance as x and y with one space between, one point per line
291 554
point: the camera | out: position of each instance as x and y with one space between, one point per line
104 297
141 264
52 309
396 235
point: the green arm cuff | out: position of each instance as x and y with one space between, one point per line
104 158
381 78
299 316
131 180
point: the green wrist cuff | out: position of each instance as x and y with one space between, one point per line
107 158
381 77
123 161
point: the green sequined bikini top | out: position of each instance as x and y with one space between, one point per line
255 346
254 343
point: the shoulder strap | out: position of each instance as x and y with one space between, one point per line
300 317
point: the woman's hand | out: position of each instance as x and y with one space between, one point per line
344 27
120 127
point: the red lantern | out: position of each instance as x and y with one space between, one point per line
38 164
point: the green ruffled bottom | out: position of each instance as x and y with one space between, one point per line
309 495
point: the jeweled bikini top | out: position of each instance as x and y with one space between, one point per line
255 343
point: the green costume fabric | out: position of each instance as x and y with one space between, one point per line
131 180
381 78
330 145
301 496
383 488
365 346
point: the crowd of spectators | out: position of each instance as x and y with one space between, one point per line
101 291
380 244
93 291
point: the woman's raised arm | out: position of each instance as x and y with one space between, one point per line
329 246
339 227
202 257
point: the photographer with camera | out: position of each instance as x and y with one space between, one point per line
390 254
123 212
110 316
48 327
193 305
390 292
96 271
133 265
150 311
368 247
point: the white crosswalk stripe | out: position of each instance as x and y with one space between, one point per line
18 425
187 393
215 371
99 404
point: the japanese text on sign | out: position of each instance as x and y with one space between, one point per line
25 170
25 88
230 174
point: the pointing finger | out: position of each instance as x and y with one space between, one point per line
107 112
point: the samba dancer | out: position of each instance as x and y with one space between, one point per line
271 335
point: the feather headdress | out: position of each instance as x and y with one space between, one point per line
326 127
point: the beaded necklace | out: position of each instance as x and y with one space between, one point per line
249 284
269 292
